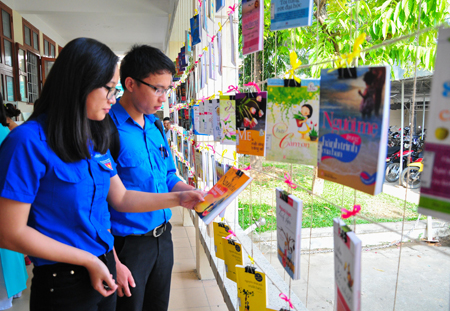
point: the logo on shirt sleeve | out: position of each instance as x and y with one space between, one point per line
107 163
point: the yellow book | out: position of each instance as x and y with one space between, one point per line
251 288
220 231
233 256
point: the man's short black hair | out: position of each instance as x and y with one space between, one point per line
166 119
143 60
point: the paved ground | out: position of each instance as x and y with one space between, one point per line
398 191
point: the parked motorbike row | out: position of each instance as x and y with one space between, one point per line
411 158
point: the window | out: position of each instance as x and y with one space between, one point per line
30 36
21 79
8 88
49 47
33 76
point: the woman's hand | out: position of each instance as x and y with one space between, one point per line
189 199
101 280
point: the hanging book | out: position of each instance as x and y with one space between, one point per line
347 267
186 149
252 26
233 53
289 232
208 117
219 168
212 62
221 195
232 251
220 232
212 10
228 119
199 164
216 119
204 76
354 115
251 288
213 168
196 30
180 143
188 43
220 4
294 14
292 121
206 170
219 52
251 123
434 180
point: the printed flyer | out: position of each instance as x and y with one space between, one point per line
286 14
228 119
252 26
252 288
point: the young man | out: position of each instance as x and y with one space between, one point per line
143 241
167 127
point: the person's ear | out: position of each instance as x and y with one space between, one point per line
130 84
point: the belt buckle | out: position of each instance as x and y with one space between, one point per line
155 231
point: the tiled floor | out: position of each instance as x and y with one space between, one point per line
188 293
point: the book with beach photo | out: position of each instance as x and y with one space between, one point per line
353 124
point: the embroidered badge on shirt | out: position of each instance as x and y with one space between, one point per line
107 163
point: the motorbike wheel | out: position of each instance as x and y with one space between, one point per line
411 180
393 172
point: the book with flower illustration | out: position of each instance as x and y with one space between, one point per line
292 121
354 117
228 120
251 123
347 267
221 194
294 14
252 26
289 231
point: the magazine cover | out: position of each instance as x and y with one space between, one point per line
251 288
251 123
294 14
221 194
347 267
196 29
354 117
292 121
252 26
435 188
228 119
217 131
289 232
232 251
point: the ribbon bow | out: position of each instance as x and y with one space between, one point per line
295 63
220 26
347 214
285 298
214 151
223 154
212 38
196 12
232 9
231 234
288 180
254 85
212 96
232 88
234 156
251 260
247 168
346 59
205 49
199 3
220 93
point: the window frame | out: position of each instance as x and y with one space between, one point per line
32 29
50 42
3 37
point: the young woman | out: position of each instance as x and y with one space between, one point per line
57 178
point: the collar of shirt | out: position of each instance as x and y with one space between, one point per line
122 115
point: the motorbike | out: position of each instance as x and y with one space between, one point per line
411 174
393 165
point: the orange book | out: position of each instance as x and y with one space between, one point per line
221 195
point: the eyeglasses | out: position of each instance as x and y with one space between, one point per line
112 92
158 91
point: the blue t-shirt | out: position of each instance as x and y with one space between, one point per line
4 131
68 200
144 164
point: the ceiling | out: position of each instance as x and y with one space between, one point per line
119 24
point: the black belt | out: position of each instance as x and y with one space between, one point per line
155 232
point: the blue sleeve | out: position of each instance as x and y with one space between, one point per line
172 179
113 172
23 162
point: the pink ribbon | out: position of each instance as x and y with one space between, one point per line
232 9
203 98
285 298
212 38
232 88
347 214
231 234
288 180
212 148
254 85
199 3
247 168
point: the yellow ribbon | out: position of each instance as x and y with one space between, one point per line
222 219
223 154
295 63
205 48
234 156
251 260
196 12
212 96
220 93
220 27
345 59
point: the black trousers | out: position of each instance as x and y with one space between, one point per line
64 287
150 261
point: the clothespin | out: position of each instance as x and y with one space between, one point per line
288 181
254 85
347 214
295 63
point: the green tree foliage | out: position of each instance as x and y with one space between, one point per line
337 23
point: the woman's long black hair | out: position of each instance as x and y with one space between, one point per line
3 120
82 66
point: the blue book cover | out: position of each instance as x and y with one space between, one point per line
196 30
354 117
220 4
290 14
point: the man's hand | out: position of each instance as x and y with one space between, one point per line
124 278
189 199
